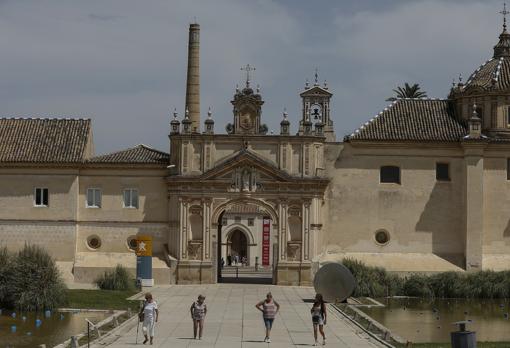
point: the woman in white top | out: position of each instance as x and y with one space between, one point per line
198 311
150 317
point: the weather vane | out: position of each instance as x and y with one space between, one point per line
504 13
248 68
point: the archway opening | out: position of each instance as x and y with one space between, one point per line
247 244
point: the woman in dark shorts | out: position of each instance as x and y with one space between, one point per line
269 308
319 317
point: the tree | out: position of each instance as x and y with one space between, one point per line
408 92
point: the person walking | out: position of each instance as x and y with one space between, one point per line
319 317
198 311
269 309
150 317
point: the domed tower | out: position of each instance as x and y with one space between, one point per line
489 89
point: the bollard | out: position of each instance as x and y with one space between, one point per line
74 342
463 338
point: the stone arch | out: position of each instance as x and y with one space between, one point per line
237 227
224 206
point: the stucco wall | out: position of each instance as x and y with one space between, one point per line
421 215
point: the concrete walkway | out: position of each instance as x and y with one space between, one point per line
233 321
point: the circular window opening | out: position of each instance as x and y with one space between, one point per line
94 242
382 237
132 243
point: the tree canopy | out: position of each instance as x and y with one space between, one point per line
408 91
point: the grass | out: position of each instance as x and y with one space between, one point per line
101 299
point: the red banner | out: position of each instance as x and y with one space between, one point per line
266 233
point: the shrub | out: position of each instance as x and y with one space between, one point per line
36 283
5 276
116 279
417 285
372 281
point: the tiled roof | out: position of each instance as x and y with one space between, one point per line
140 154
493 74
243 209
412 120
41 140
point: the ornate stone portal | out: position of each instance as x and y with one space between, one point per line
281 175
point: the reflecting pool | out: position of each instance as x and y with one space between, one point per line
33 329
420 320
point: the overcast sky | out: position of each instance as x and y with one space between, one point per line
122 63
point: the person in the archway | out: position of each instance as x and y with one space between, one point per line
198 311
269 309
319 317
150 317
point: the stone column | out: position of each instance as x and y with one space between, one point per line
282 230
183 207
305 249
473 159
206 220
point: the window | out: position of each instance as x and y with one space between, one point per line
251 221
390 174
382 237
237 219
130 198
442 172
93 198
41 197
94 242
132 243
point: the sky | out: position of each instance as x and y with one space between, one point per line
122 63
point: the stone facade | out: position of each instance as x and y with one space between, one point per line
422 187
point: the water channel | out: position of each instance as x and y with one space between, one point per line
52 330
420 320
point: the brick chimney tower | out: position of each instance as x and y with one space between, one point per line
193 78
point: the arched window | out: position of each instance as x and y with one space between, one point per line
390 174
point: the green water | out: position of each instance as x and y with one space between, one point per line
419 320
52 331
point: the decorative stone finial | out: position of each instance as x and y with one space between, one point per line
307 84
186 114
284 124
175 114
175 124
316 83
209 122
474 123
502 48
209 113
258 89
325 84
237 88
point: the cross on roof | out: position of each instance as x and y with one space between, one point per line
248 68
316 76
504 13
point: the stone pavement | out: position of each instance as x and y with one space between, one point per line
233 321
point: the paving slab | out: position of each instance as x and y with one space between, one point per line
233 321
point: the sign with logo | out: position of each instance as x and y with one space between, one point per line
266 236
143 245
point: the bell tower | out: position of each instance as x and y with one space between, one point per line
316 110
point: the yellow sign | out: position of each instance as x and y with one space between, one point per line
143 245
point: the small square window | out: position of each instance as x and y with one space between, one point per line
443 171
251 221
390 174
93 198
237 219
41 198
130 198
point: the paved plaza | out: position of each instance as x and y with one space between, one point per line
233 321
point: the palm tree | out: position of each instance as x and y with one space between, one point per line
408 92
